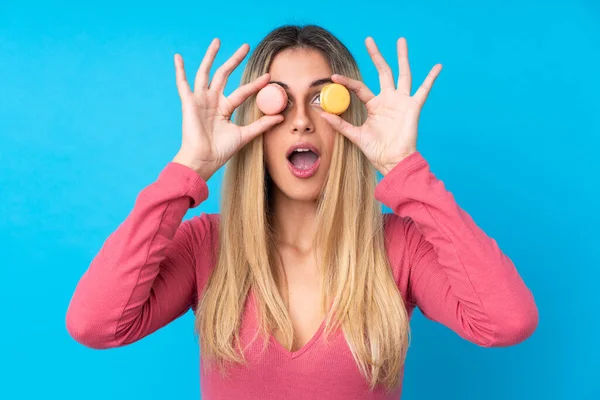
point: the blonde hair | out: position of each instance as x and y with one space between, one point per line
358 283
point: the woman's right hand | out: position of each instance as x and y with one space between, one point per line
209 137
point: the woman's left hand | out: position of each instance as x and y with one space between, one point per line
390 132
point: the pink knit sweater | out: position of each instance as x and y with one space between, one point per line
153 269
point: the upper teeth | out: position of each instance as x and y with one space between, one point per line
302 149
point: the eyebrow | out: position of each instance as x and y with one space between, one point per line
313 84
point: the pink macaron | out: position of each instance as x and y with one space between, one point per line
271 99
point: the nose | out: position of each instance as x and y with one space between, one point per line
301 121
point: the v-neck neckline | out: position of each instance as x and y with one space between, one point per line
280 347
301 350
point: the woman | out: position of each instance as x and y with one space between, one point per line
308 265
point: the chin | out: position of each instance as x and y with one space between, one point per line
300 195
298 189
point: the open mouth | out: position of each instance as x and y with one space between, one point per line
303 159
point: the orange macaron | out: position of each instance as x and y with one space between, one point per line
335 98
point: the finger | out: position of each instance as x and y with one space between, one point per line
404 78
342 126
183 87
202 75
235 99
220 79
425 88
359 88
386 78
259 126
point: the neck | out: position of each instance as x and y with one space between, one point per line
294 222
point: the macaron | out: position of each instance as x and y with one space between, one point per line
271 99
335 98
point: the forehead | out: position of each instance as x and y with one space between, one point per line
299 67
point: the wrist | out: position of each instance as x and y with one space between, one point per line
203 169
387 167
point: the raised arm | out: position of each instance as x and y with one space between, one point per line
144 275
452 270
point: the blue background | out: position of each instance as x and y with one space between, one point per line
89 115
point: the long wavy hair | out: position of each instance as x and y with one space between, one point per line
359 291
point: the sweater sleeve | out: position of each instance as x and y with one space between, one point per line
458 276
143 277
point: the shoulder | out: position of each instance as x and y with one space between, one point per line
394 228
202 232
402 233
202 227
401 237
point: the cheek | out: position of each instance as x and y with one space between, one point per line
271 146
328 137
331 140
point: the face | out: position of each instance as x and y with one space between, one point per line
302 73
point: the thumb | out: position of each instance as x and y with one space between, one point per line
259 126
